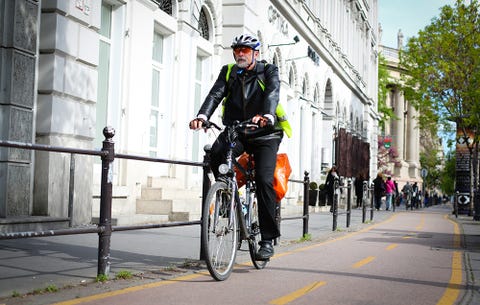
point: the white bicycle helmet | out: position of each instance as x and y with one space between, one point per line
246 41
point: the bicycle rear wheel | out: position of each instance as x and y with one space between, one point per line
255 236
219 231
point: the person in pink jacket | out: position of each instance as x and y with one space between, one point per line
389 190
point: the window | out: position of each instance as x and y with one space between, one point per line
103 72
291 78
155 111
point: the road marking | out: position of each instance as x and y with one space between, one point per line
391 247
422 223
196 275
453 289
297 294
129 289
363 262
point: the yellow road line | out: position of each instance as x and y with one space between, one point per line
422 223
453 289
363 262
391 247
128 290
297 294
196 275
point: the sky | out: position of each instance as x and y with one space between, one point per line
410 16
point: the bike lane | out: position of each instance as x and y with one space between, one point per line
408 259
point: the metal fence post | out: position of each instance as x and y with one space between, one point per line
306 202
205 187
105 222
71 190
455 203
349 201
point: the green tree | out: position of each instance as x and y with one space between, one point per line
447 175
443 80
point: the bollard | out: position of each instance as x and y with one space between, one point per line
306 202
335 204
364 201
372 197
105 222
205 187
349 201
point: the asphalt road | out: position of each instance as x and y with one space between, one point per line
409 258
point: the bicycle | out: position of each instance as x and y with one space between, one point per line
229 217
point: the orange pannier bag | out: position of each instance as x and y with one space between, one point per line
280 176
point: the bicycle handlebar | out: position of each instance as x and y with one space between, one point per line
236 125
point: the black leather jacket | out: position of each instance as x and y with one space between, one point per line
246 98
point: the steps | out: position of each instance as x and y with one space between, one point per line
163 196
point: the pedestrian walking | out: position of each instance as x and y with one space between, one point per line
389 190
358 184
330 185
378 191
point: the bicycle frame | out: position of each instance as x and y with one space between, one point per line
229 225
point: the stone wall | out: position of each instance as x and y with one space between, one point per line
18 57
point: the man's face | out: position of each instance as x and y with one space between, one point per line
243 56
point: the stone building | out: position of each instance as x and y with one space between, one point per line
144 66
403 131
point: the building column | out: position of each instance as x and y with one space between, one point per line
410 155
18 57
399 132
413 143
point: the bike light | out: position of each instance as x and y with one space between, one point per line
223 169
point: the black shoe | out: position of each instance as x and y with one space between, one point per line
265 251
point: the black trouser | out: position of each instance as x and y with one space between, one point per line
359 200
265 150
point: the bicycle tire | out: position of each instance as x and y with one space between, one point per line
219 235
255 236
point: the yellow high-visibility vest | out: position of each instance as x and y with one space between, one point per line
279 111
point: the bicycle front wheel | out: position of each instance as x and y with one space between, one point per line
255 236
219 231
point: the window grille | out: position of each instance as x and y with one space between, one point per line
165 5
203 25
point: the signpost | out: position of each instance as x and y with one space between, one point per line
423 174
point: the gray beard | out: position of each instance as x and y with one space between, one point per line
243 64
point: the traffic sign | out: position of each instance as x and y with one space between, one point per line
424 173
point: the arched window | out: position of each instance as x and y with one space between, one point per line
305 86
165 5
316 95
291 77
203 25
275 59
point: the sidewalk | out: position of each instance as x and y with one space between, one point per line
39 264
470 231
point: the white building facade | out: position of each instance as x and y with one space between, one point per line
144 67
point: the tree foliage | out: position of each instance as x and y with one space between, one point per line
447 175
443 65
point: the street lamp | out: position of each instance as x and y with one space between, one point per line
296 39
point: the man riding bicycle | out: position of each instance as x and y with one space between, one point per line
246 98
